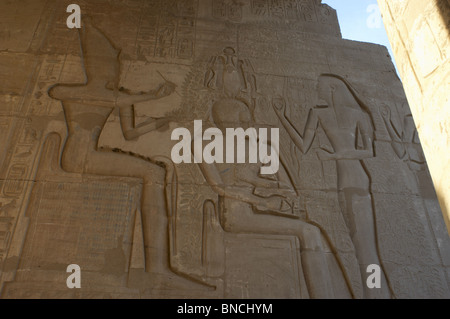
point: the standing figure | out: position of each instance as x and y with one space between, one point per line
348 124
87 107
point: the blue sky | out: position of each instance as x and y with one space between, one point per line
360 20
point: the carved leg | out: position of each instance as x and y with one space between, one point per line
213 246
314 261
158 274
358 211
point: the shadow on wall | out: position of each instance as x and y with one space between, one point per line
444 10
444 207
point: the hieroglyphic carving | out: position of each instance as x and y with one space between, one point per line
59 230
168 32
6 224
414 251
276 10
259 7
157 29
227 9
21 145
57 41
291 9
307 11
405 139
21 140
248 275
325 14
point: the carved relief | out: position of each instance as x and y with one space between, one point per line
307 10
273 10
291 9
86 118
224 77
405 139
166 30
347 122
6 225
260 7
247 200
87 174
227 9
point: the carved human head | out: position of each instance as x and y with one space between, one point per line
327 85
337 92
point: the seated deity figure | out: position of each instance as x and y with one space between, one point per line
253 203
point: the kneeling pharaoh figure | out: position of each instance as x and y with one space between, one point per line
87 107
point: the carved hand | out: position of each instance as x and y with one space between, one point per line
279 105
324 155
154 121
165 89
386 112
277 204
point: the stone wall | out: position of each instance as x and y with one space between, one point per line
87 175
419 32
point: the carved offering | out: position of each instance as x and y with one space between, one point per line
210 149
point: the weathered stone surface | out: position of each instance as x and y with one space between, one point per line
420 36
88 177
